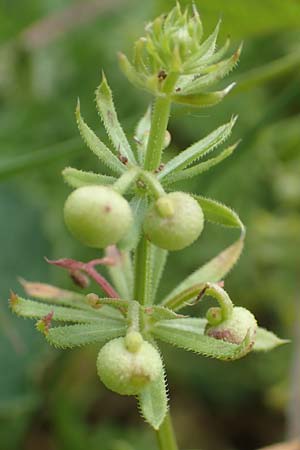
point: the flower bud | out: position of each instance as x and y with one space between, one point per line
174 221
128 364
235 328
97 216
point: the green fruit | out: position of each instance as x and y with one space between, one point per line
127 365
235 328
174 221
97 216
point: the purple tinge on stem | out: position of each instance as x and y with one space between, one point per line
78 269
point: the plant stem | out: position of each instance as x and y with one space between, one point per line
143 272
165 435
143 267
159 122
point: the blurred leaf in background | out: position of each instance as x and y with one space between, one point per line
52 52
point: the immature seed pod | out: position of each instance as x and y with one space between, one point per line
174 221
97 216
127 364
235 328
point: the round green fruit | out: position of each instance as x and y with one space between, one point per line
174 221
235 328
97 216
128 364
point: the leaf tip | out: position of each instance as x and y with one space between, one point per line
44 323
13 300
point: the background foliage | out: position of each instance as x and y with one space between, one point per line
51 52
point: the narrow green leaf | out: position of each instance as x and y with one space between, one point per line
97 147
199 168
159 259
213 271
139 207
131 74
218 213
183 297
192 324
199 149
158 312
78 335
190 338
212 73
107 112
266 340
142 134
77 178
202 99
33 309
54 295
153 402
119 271
206 49
214 58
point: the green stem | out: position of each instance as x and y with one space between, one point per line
159 122
154 185
143 272
143 269
126 180
165 435
222 298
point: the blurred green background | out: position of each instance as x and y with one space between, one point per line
53 51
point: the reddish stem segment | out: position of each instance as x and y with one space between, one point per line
74 266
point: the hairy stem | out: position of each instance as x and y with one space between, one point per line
143 272
165 435
159 122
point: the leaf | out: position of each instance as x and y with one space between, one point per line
206 49
57 296
53 294
213 73
218 213
191 338
106 109
191 324
266 340
138 207
214 58
202 100
141 135
131 74
153 402
158 312
33 309
78 335
213 271
198 149
183 297
77 178
159 258
97 147
119 271
199 168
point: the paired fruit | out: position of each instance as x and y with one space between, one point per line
128 364
97 216
235 328
174 221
